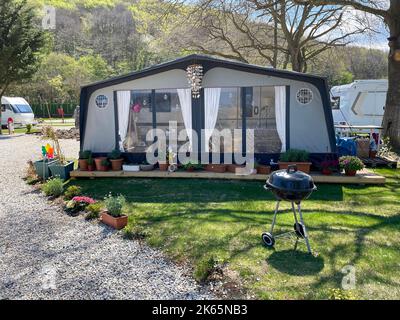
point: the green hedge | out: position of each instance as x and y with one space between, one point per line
41 110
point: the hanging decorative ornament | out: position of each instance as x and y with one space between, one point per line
195 76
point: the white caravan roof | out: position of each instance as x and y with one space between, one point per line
14 100
368 85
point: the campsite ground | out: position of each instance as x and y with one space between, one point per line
352 229
46 254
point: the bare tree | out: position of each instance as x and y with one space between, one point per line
389 12
280 32
231 30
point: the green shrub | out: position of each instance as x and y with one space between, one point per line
86 154
114 205
204 269
340 294
115 154
295 155
93 211
28 128
90 161
105 163
72 191
53 187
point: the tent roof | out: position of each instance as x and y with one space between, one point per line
208 63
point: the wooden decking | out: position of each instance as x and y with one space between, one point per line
363 177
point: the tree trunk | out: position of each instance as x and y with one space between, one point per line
391 118
295 59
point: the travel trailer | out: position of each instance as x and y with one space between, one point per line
18 109
285 109
361 103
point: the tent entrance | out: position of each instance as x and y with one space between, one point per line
261 109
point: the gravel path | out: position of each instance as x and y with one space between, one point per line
45 254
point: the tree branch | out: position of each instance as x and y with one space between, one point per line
353 3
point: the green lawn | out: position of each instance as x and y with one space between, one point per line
194 220
20 130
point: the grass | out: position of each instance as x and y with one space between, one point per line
199 221
19 130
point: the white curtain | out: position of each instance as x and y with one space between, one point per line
280 114
123 100
185 99
211 106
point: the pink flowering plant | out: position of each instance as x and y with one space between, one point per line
78 203
330 164
350 163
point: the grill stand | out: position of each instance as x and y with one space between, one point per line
300 228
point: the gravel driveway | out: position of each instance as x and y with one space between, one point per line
45 254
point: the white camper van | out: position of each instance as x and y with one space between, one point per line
18 109
360 103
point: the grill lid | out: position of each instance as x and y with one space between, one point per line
291 180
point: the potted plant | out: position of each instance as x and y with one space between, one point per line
61 167
83 159
97 162
116 160
190 166
90 164
297 157
328 166
145 166
261 168
350 164
42 168
163 164
113 216
104 165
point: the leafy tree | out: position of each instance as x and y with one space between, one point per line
21 43
60 77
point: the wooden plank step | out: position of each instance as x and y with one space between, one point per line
363 177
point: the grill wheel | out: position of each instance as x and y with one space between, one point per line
268 239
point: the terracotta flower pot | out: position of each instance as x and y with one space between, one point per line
326 171
83 164
115 222
163 166
190 169
372 154
98 161
232 167
263 169
219 168
350 173
116 164
91 167
301 166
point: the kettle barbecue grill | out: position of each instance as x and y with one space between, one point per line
293 186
